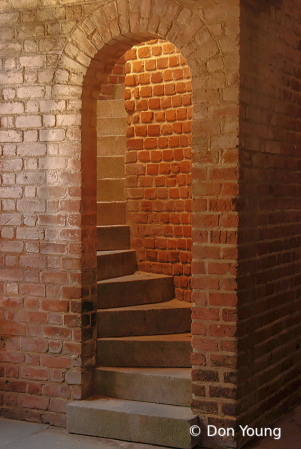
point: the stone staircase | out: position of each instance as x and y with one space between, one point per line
111 145
142 382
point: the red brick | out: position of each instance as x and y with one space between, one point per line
162 63
141 105
150 143
223 299
147 117
34 402
158 90
34 373
156 77
144 52
146 91
150 65
135 144
59 391
204 344
34 345
138 66
154 103
50 361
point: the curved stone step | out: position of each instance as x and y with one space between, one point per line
111 213
158 424
110 190
137 288
170 317
158 385
111 145
111 264
118 91
113 237
110 167
112 126
111 108
145 351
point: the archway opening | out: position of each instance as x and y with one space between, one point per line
144 158
141 323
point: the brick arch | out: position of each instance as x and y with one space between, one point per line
88 56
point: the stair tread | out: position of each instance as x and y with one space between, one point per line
163 337
181 373
115 251
117 226
127 420
112 178
137 276
157 385
171 304
134 407
111 202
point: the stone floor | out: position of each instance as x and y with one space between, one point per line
24 435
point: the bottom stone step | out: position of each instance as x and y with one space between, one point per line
158 424
159 385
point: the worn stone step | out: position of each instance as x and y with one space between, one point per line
111 108
159 385
157 424
111 264
113 237
110 190
146 351
118 92
111 145
135 289
112 213
113 126
110 167
149 319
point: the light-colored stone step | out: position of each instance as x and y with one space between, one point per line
110 190
110 167
135 289
111 108
113 126
145 351
111 264
111 213
111 145
113 237
159 385
118 92
158 424
170 317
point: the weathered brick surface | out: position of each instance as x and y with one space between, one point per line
269 253
54 59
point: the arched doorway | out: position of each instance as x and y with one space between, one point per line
98 48
143 329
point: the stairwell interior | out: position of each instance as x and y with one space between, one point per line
142 381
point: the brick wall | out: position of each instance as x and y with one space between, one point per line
117 76
269 254
245 253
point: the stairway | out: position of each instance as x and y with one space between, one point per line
142 382
111 145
